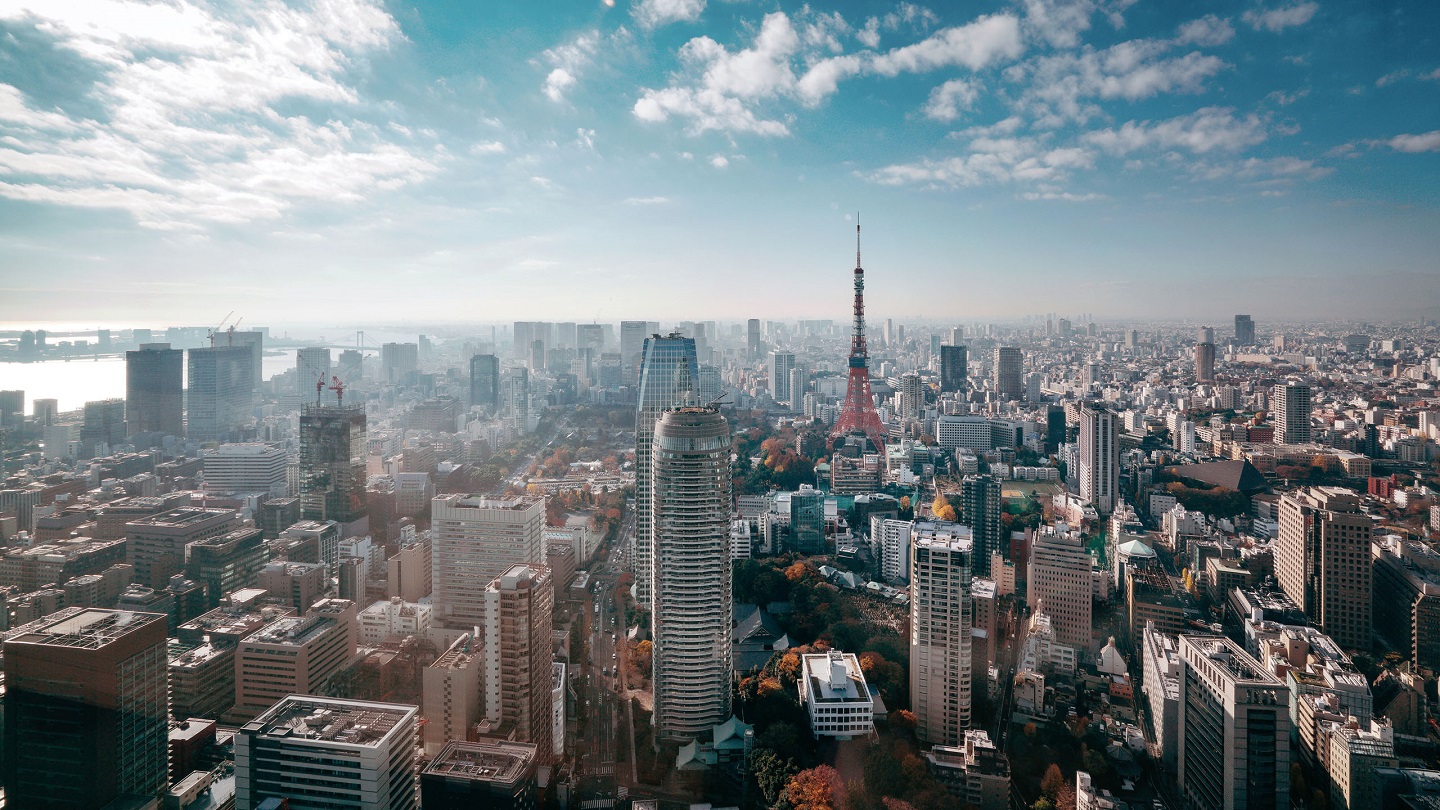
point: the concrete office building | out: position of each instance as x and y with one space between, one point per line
632 348
1009 363
312 541
326 753
294 656
1244 330
781 364
1406 598
103 428
954 368
298 584
519 609
1205 362
690 624
981 506
1323 561
493 775
485 382
157 543
453 692
940 632
1290 404
667 379
1234 730
226 562
1099 452
1059 583
474 540
398 361
312 365
221 392
332 463
86 710
245 468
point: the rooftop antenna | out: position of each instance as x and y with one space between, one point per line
857 238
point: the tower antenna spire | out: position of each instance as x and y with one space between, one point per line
857 238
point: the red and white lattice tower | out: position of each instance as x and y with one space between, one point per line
859 410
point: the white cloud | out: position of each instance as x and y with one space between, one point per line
189 131
585 138
722 84
1063 196
1278 19
1058 88
975 45
719 161
947 100
557 82
1208 31
647 200
824 77
989 161
1391 78
568 60
487 148
655 13
1425 142
1205 130
1286 99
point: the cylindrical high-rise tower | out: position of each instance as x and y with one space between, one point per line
690 624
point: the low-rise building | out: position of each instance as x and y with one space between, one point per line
394 617
975 772
834 694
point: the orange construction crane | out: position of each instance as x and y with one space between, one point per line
339 388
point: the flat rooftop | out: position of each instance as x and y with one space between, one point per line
501 762
89 629
293 631
182 517
349 722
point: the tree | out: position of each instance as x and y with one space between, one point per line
883 774
1065 800
772 772
1053 780
641 654
942 509
815 789
1043 803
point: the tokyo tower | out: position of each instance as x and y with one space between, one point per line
859 410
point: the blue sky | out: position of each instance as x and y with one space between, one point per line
345 160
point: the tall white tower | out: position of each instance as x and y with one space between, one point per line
940 625
690 623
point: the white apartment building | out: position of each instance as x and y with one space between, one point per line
940 630
250 467
892 537
394 617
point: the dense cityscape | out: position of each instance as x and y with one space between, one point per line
1059 563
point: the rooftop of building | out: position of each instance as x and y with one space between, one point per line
182 517
1228 654
244 449
332 720
293 631
182 657
89 629
497 762
817 672
518 504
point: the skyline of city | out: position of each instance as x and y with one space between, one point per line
1259 157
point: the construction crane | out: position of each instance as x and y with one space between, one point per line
339 388
319 387
219 326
